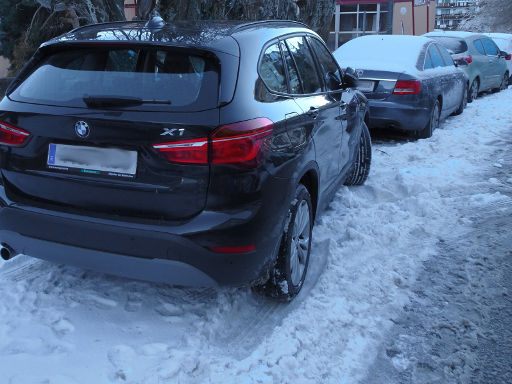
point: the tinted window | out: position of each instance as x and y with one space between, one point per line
66 77
305 64
454 44
447 58
428 62
490 47
295 83
479 46
272 69
437 60
327 63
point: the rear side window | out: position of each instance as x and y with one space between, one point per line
176 78
428 62
272 69
327 63
295 82
435 56
490 47
305 65
453 44
479 46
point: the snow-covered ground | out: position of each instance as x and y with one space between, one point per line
381 252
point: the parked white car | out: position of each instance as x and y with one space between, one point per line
504 42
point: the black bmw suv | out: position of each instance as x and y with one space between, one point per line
191 154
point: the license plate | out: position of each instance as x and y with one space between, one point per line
92 160
366 85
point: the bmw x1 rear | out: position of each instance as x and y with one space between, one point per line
142 150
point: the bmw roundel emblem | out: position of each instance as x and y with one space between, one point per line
82 129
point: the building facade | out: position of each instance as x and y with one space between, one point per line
450 13
354 18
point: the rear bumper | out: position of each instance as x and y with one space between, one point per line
177 254
389 114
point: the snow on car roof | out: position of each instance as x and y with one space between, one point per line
504 36
461 34
395 53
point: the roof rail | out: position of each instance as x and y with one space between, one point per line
107 23
260 22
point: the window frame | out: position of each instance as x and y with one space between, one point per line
283 63
282 39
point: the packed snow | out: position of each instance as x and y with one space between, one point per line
63 325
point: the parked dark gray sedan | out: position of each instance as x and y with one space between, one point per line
411 81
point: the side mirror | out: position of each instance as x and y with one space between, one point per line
350 78
333 81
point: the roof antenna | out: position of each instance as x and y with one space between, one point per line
148 11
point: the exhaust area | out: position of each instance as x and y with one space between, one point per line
6 252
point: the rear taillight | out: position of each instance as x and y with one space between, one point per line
468 59
241 143
406 87
186 151
244 143
13 136
508 57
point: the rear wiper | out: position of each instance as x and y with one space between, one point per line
121 101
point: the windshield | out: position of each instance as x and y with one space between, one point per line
502 44
453 44
179 80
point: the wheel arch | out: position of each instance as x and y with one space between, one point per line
310 179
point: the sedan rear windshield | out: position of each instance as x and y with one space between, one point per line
453 44
135 78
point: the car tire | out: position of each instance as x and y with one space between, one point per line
463 103
362 162
473 90
433 122
288 275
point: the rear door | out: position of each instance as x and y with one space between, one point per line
483 64
442 75
105 130
454 80
317 105
496 66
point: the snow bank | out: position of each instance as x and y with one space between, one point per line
65 325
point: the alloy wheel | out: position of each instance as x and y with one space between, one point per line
300 243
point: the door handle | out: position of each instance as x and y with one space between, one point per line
313 112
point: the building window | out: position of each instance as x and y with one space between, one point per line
354 20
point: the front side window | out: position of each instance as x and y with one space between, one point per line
175 79
328 66
479 46
272 70
305 64
490 47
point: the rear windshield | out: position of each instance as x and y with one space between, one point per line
453 44
162 78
